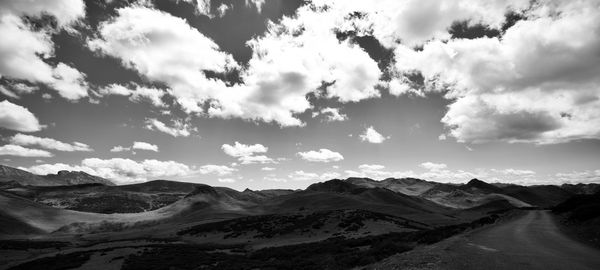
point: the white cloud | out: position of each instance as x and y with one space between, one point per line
19 118
267 169
139 94
376 171
537 84
222 9
119 148
241 150
226 180
287 64
303 176
331 114
145 146
574 177
260 159
180 129
44 169
64 11
219 170
414 22
17 150
26 61
120 170
323 155
8 93
153 42
433 166
256 3
49 143
372 136
69 82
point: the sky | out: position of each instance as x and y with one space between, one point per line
282 94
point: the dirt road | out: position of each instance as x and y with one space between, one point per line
530 242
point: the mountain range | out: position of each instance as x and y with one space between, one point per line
75 209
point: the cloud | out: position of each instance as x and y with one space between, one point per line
376 171
331 114
152 43
372 136
226 180
48 143
538 83
180 129
241 150
267 169
119 148
145 146
69 82
574 177
246 154
433 166
222 9
121 170
303 176
139 94
323 155
17 150
414 22
19 118
26 61
219 170
291 60
256 3
307 176
260 159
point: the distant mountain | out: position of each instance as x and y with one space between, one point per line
62 178
477 192
408 186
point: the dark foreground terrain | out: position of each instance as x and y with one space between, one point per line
337 224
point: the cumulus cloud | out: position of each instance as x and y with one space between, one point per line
220 170
20 151
291 60
535 84
226 180
49 143
331 114
179 128
152 43
240 149
372 136
256 3
119 148
414 22
19 118
145 146
247 154
307 176
121 170
574 177
376 171
267 169
323 155
138 94
259 159
433 166
26 61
